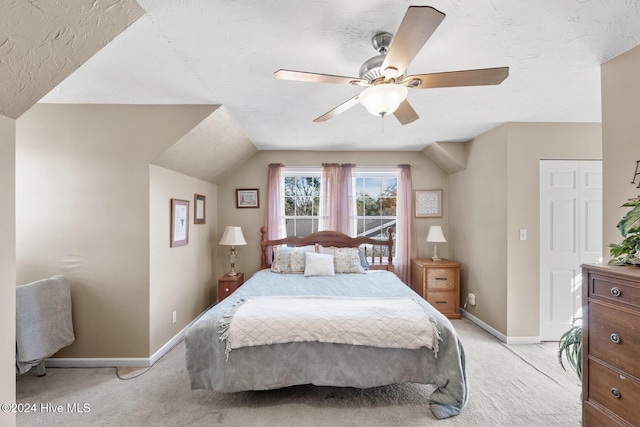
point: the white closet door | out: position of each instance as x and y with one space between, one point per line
570 235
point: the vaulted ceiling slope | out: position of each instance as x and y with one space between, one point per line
210 150
225 52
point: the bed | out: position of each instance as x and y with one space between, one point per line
214 364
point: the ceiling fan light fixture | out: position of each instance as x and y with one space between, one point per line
383 99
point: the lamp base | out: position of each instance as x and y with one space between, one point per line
435 256
232 261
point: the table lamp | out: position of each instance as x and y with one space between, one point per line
232 236
435 235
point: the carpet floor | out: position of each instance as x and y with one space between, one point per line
510 385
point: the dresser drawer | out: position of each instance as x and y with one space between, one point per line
614 336
441 278
614 391
614 290
594 416
442 301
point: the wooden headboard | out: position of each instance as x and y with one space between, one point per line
337 239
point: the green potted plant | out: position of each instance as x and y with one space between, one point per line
570 345
628 251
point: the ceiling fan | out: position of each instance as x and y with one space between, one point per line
384 74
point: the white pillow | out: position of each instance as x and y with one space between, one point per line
318 264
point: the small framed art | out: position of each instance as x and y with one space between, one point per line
199 209
179 222
247 198
428 203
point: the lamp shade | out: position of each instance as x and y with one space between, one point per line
435 234
232 236
383 99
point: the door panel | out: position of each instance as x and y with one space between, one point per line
570 235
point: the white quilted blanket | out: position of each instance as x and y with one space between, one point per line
377 322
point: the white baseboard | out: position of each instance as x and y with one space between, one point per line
502 337
116 362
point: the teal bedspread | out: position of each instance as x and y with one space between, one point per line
325 364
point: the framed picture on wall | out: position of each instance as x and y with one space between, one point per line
428 203
199 209
179 222
247 198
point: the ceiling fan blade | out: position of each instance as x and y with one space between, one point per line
405 113
339 109
303 76
417 26
486 76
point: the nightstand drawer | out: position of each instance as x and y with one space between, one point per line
441 278
438 282
228 285
443 301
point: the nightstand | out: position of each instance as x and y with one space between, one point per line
439 283
228 284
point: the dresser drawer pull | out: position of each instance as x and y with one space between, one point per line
615 338
616 292
616 393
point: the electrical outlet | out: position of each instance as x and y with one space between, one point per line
173 317
472 299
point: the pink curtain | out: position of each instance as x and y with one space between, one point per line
274 220
406 244
329 198
337 205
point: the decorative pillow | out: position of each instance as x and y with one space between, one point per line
288 259
318 264
363 259
345 260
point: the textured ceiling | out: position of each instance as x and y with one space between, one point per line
42 42
225 52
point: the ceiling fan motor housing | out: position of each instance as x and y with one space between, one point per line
371 69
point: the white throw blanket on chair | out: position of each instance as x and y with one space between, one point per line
43 320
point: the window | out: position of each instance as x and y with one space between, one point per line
301 200
375 193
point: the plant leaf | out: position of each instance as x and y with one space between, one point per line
631 222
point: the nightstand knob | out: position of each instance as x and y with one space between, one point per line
226 289
615 291
615 338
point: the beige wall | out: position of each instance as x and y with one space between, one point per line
82 185
181 278
7 268
620 134
502 176
253 174
478 204
528 144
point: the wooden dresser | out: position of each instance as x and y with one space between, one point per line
611 345
439 283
